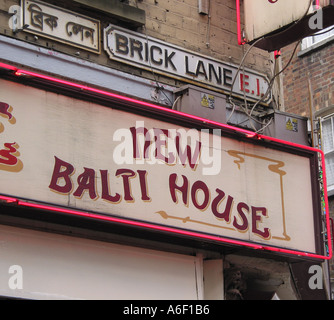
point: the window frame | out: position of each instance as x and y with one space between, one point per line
317 40
330 187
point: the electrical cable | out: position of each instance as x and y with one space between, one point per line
245 107
161 88
175 102
270 83
235 77
241 64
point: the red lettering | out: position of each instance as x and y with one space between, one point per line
183 189
86 182
61 182
62 172
258 87
221 206
244 226
200 185
105 188
216 203
187 153
256 218
7 156
243 83
160 139
136 150
143 185
162 143
126 174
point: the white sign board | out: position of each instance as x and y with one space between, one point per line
61 25
64 151
160 57
263 17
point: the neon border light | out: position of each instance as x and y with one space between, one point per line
241 40
247 133
145 225
125 221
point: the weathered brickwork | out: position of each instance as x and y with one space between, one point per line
316 67
179 22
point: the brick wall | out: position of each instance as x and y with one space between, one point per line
318 67
179 22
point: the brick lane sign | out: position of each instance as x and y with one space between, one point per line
160 57
81 155
139 50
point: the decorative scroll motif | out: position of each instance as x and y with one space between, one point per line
9 154
165 216
222 204
61 25
274 166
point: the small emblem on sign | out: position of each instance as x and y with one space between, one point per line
207 100
291 124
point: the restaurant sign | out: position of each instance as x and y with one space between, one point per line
84 156
160 57
62 25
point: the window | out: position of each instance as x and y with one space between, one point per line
328 149
318 38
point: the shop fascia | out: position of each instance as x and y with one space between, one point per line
251 201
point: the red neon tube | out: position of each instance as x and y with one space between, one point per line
159 228
241 40
128 222
247 133
7 66
332 229
8 199
20 72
